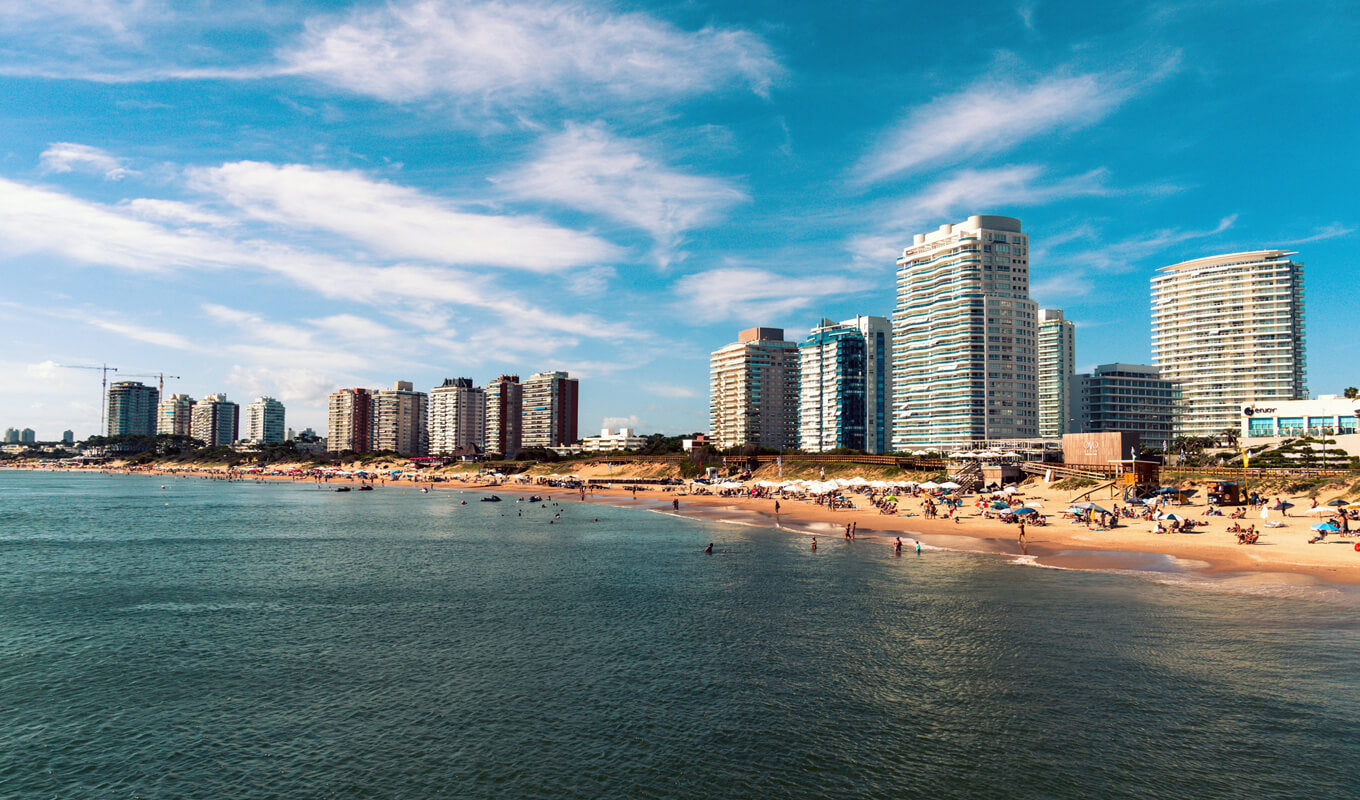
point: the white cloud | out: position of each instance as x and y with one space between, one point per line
1017 186
174 212
757 294
1076 273
396 221
33 218
614 423
586 168
1333 231
667 390
298 388
71 157
139 332
490 54
991 116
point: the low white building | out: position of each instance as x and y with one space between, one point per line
608 442
1330 416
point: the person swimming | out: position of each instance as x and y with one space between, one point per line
709 549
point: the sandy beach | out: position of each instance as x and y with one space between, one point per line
1211 549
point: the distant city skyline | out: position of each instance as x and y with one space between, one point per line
289 199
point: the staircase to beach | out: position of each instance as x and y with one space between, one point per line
968 477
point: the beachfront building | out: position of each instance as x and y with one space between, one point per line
68 437
174 415
28 436
132 409
11 435
215 420
1056 342
457 416
550 410
1228 330
964 349
504 415
401 420
845 386
753 391
1328 415
350 421
264 421
1126 398
606 442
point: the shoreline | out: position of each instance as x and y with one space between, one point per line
1282 553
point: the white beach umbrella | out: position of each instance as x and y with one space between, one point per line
960 454
949 485
929 485
858 481
918 452
1011 454
1321 510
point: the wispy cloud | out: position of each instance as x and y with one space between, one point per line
72 157
586 168
755 294
1333 231
139 333
993 115
1018 186
494 52
395 221
1075 272
670 390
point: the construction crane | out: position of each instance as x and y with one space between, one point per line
103 387
160 380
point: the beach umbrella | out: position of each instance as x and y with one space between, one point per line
1321 510
1090 507
918 452
960 455
1010 490
1025 510
1172 517
1352 507
1326 526
1011 454
929 485
949 485
1282 505
1000 504
1337 502
892 498
1074 510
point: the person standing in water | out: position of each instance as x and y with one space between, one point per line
814 543
897 548
675 504
918 547
709 549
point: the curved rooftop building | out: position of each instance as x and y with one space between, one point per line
1228 330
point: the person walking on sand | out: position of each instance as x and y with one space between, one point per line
776 508
1021 539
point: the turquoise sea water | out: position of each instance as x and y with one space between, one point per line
282 641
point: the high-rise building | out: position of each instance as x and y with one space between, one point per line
845 386
28 436
401 420
174 415
351 421
264 421
504 415
753 391
550 410
1057 363
68 437
215 420
132 409
1228 331
964 337
457 416
11 435
1126 398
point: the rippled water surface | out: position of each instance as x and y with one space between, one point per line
241 640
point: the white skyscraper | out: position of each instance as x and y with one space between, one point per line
1056 367
457 416
845 386
964 337
1228 331
264 421
174 415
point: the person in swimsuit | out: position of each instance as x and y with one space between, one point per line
709 549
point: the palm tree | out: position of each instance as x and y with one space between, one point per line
1351 393
1229 436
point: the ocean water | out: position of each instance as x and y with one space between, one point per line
281 641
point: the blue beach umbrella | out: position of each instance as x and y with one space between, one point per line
1026 510
1326 526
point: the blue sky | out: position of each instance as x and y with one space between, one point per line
287 198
